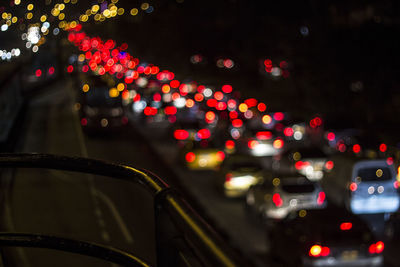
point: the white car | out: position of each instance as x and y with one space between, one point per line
279 196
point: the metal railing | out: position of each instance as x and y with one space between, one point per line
182 236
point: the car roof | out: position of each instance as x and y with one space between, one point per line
326 223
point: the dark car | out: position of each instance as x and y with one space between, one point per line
280 195
101 107
329 237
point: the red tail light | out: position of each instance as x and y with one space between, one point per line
383 147
252 144
279 116
265 135
170 110
288 131
356 148
330 136
318 251
321 198
84 121
396 184
190 157
181 134
228 177
150 111
353 187
278 143
301 164
329 165
229 144
346 226
276 198
237 123
376 248
204 134
220 156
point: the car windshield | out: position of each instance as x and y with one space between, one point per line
245 165
310 153
179 88
374 174
99 97
298 188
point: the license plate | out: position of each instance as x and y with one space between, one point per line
349 255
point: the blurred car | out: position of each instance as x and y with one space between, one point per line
364 186
237 173
276 197
309 161
329 237
260 143
189 128
100 109
202 155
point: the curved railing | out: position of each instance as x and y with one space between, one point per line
182 236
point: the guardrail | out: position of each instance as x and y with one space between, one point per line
183 238
11 101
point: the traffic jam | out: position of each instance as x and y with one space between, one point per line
325 196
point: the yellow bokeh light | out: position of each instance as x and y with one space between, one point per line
61 7
55 12
95 9
266 119
166 88
83 18
14 20
243 107
85 88
29 7
144 6
121 11
276 181
120 87
4 15
74 1
81 58
113 92
17 2
29 15
106 12
61 16
66 1
296 156
134 11
43 18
